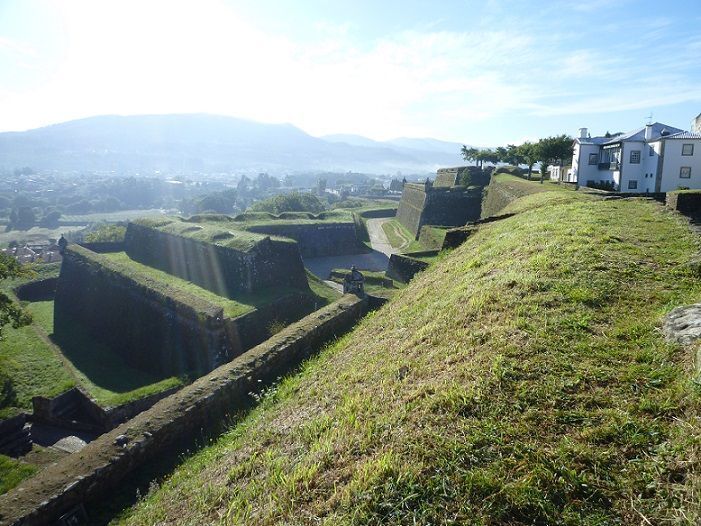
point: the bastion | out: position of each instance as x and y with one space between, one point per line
426 204
225 261
184 297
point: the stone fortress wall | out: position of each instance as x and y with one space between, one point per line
213 265
152 331
424 204
162 328
78 484
317 239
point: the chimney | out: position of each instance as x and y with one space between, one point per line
648 132
582 133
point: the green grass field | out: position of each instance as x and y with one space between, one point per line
522 379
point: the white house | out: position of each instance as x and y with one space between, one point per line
654 158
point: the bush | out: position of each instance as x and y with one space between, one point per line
294 202
601 185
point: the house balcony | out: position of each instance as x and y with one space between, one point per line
612 166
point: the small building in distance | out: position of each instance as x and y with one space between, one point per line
654 158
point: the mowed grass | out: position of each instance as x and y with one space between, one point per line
522 379
34 368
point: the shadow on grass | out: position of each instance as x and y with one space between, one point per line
99 363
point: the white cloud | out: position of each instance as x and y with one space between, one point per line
174 56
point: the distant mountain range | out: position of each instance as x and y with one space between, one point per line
191 143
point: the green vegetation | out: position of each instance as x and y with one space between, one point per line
293 202
10 312
432 237
39 367
106 233
12 472
546 151
522 379
505 189
399 237
213 231
33 366
175 287
321 290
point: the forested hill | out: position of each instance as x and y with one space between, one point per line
205 143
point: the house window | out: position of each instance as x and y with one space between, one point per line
633 185
685 172
635 157
652 151
688 149
593 158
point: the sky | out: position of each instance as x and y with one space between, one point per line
483 73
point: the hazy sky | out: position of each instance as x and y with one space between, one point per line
477 72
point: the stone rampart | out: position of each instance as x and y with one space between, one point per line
200 409
161 331
455 237
216 267
411 207
404 268
422 205
317 239
685 202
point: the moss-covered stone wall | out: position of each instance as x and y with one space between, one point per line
153 331
317 240
215 266
112 461
422 205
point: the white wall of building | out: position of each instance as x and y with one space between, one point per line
582 171
673 162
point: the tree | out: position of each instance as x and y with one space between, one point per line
50 220
553 150
469 154
294 202
529 153
10 312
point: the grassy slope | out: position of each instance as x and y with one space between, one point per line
12 472
520 380
399 237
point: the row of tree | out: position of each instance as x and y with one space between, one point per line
549 150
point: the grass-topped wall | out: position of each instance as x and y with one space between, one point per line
225 261
155 327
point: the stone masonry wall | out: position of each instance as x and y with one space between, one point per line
166 335
199 409
411 207
222 270
685 202
317 239
422 205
